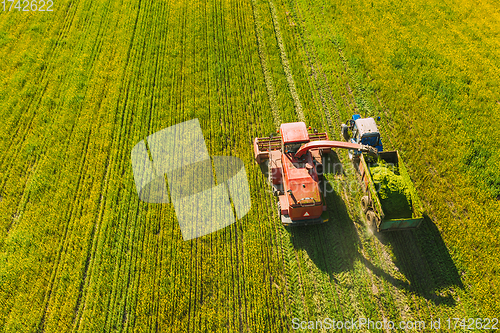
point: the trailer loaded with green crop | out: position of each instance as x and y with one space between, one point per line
390 201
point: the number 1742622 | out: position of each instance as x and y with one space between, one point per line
27 5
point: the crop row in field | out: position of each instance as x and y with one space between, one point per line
84 254
81 253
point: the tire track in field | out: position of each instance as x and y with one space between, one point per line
64 240
320 79
70 213
92 245
323 87
118 301
16 156
183 86
343 257
383 258
92 240
156 55
375 258
286 64
200 65
411 254
298 108
261 44
242 268
71 133
233 257
176 115
120 310
184 311
236 254
293 263
236 251
380 270
346 75
294 272
243 271
406 240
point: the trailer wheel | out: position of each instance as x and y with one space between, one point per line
368 218
279 209
365 203
371 219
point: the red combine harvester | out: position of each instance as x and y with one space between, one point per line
295 169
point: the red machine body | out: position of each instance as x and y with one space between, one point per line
295 179
295 171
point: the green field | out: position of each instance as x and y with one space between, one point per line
82 84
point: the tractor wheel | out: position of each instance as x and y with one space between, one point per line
365 203
344 132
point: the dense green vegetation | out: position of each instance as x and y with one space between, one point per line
80 86
393 190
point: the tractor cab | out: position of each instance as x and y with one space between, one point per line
364 131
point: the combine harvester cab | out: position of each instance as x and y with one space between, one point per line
295 180
382 213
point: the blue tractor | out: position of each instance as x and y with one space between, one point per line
362 131
381 214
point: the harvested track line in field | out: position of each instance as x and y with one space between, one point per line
322 86
299 278
259 35
285 64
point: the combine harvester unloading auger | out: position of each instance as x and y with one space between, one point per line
295 169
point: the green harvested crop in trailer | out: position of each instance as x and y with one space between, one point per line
394 192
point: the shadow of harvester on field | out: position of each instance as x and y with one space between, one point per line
420 255
332 246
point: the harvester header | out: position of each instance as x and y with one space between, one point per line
294 132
